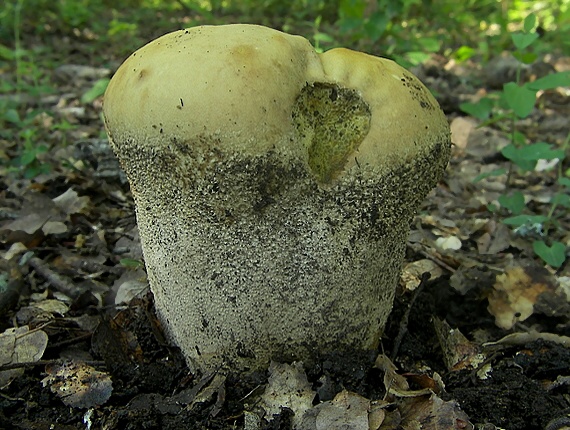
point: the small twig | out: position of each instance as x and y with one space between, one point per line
72 341
416 247
57 281
406 317
44 363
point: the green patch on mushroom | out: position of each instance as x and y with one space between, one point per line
332 122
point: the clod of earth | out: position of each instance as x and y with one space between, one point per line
274 187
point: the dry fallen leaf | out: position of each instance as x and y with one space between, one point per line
432 413
412 273
131 284
521 291
70 202
458 352
346 411
20 345
287 387
461 128
392 380
418 409
78 385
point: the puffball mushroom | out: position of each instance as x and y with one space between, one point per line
274 187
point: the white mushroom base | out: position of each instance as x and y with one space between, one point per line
254 261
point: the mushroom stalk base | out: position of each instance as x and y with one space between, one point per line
255 261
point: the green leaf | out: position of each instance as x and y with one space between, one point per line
7 53
541 151
561 199
526 156
564 181
481 110
27 158
512 153
41 149
523 40
519 220
464 53
417 57
352 8
131 263
497 172
519 139
525 57
529 22
97 90
514 202
323 37
376 26
520 99
548 82
552 255
36 169
12 115
430 44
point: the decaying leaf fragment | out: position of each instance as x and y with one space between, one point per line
346 411
20 345
78 385
458 351
521 291
432 413
289 388
412 273
418 409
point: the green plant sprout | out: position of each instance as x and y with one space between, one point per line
515 102
16 121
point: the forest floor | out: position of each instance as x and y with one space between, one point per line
482 343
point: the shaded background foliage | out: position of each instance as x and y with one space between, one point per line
379 26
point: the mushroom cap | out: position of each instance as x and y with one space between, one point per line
240 83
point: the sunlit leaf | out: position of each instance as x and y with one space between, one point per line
323 37
97 90
464 53
417 57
